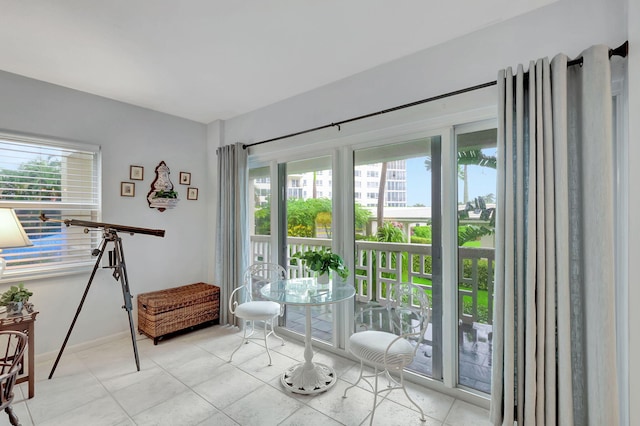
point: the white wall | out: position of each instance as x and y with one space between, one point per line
128 135
568 26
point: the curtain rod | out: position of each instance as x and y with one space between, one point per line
622 50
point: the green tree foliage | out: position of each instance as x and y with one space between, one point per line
262 219
483 272
34 180
475 157
304 215
303 231
468 233
390 233
423 232
304 212
324 219
361 216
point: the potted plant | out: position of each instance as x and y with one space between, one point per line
163 199
165 194
14 299
323 261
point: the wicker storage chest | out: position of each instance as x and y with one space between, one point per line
175 309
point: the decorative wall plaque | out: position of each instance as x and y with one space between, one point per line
162 196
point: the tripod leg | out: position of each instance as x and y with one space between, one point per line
126 294
84 296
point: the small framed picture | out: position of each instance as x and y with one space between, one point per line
136 172
127 189
185 178
192 193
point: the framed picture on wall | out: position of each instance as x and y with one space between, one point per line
136 172
185 178
127 189
192 193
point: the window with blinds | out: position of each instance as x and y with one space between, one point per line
60 180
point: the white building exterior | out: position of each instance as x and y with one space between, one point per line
366 185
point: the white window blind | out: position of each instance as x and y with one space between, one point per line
60 180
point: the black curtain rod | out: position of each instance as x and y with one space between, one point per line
621 50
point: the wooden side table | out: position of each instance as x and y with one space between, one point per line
24 323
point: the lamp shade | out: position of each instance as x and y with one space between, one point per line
12 233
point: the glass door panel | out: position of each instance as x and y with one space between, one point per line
477 183
307 209
398 234
260 214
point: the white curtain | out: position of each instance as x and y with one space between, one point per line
554 359
232 242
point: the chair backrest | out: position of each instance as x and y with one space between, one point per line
14 344
407 313
260 274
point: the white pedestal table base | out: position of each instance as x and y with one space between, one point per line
309 377
302 379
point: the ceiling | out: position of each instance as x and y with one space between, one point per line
215 59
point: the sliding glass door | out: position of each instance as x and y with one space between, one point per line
397 212
476 168
418 210
259 203
306 212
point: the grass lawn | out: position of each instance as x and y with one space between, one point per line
482 295
472 244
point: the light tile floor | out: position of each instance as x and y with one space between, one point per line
186 380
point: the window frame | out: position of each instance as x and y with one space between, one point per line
90 201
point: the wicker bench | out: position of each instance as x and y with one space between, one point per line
168 311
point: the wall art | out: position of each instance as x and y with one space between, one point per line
127 189
162 195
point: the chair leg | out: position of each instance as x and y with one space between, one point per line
273 331
344 395
266 334
13 419
375 397
404 389
244 338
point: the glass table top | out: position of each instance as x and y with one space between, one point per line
307 291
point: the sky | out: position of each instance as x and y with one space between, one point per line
482 181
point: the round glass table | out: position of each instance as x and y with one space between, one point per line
308 377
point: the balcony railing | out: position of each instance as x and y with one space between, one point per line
380 265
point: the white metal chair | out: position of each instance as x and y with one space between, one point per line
391 339
245 302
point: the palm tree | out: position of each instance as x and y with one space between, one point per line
381 189
469 157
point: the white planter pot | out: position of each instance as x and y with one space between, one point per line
162 203
323 278
14 309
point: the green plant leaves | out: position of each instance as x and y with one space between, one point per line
165 194
322 261
15 294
